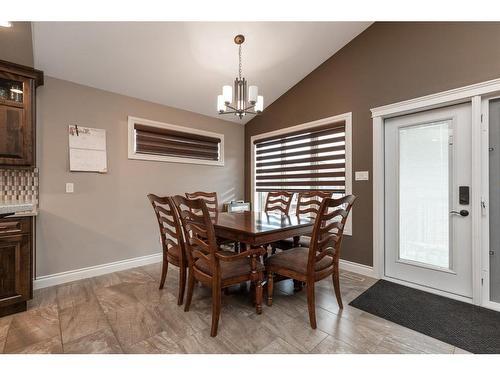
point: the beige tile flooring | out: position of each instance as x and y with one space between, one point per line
124 312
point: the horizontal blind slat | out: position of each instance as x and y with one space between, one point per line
303 152
266 190
301 168
301 183
298 161
325 133
300 175
307 143
299 134
160 150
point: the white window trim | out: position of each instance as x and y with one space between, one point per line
171 159
468 94
347 118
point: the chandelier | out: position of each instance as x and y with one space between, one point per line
238 99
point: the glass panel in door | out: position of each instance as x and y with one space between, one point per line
494 199
424 191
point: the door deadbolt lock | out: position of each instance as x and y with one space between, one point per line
462 213
492 252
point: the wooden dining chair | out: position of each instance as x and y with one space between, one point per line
278 201
171 239
321 259
308 204
212 266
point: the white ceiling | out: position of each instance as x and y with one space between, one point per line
185 64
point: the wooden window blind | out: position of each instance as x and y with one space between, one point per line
312 159
167 142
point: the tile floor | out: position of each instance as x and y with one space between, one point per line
124 312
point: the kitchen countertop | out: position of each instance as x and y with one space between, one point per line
18 209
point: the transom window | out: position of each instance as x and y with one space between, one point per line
151 140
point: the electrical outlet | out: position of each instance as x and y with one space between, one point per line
70 187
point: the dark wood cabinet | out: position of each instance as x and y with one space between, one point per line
17 150
16 264
17 114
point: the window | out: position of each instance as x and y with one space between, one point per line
151 140
312 156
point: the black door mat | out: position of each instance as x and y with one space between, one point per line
466 326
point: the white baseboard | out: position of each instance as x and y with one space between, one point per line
358 268
101 269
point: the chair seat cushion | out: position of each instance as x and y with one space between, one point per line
296 260
288 243
229 269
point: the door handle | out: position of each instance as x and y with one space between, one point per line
462 213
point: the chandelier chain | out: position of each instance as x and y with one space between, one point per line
240 68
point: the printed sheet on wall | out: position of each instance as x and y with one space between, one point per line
87 149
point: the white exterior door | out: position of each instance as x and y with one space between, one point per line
428 178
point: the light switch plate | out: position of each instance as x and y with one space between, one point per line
70 187
361 176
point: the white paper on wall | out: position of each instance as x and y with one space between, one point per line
87 149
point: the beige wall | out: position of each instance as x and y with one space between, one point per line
388 62
16 43
109 218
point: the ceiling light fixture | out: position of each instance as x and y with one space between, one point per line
238 99
5 24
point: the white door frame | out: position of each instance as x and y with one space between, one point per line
467 94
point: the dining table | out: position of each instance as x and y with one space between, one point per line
257 228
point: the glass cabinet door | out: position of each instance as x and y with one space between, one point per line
11 90
12 134
16 123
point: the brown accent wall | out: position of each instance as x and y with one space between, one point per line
16 44
387 63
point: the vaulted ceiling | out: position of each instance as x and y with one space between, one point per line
185 64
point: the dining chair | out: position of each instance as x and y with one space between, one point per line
171 239
278 201
308 204
320 259
212 266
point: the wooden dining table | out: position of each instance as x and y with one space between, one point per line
254 229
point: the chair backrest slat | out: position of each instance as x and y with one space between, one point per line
309 202
210 200
278 201
328 229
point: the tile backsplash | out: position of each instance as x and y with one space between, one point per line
19 186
